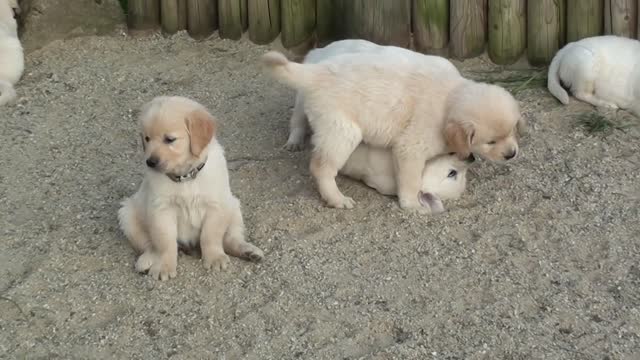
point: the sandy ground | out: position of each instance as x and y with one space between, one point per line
538 260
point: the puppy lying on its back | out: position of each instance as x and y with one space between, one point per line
444 177
185 198
11 55
603 71
298 124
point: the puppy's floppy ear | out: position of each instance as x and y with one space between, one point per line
458 137
201 127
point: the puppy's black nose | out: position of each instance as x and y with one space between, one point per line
470 159
152 161
510 155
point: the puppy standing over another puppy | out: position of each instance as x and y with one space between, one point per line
11 53
603 71
298 124
185 197
417 112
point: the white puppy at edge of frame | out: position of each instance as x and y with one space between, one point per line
11 53
299 125
603 71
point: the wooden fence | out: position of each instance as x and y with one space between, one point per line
461 29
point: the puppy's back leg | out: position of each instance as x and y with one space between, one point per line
298 126
334 138
132 225
234 241
584 74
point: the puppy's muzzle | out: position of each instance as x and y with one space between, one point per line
511 155
152 162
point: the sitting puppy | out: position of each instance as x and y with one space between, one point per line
11 54
444 177
417 112
185 198
603 71
298 124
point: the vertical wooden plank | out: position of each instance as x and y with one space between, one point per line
621 18
385 22
143 15
245 15
468 28
333 20
231 18
584 19
544 29
507 30
169 16
182 15
264 20
431 26
202 18
298 21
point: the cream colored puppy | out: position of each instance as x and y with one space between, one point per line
443 178
417 112
603 71
298 124
11 54
185 198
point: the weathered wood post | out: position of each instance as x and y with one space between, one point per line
264 20
232 18
584 19
507 30
332 20
545 34
298 21
621 18
468 26
202 18
173 15
386 22
431 26
143 15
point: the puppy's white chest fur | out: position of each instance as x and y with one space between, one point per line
191 200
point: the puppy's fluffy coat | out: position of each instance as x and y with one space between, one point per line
185 197
444 177
603 71
298 125
11 53
415 111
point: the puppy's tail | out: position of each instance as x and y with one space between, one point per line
298 76
7 92
553 77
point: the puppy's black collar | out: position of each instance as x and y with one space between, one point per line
189 175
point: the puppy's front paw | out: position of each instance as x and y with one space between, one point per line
159 269
218 261
342 203
414 206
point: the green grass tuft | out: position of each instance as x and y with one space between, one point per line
594 123
513 81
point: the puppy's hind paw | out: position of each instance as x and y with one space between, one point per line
217 261
252 253
293 146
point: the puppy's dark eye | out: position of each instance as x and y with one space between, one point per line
169 139
491 142
452 174
146 139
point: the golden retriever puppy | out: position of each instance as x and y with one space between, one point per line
298 125
11 54
603 71
417 112
444 177
185 198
